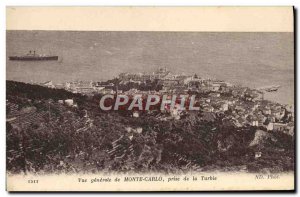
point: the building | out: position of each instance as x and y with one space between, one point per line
48 84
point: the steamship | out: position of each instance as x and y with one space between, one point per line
32 56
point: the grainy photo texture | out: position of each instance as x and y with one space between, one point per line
135 102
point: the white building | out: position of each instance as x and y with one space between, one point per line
69 102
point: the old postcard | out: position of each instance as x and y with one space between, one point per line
150 99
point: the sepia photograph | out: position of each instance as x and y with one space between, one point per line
140 108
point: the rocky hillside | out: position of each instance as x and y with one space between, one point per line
45 135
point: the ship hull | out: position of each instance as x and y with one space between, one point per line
46 58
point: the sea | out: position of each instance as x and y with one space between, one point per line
249 59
